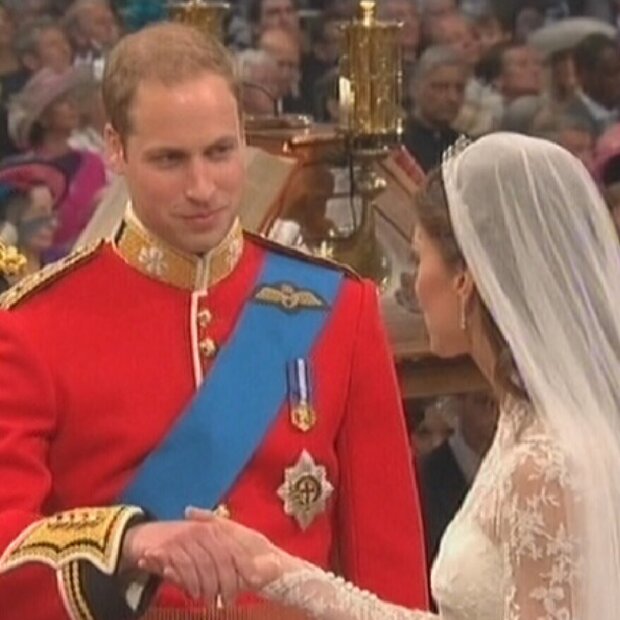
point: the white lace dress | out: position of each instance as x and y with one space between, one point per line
507 555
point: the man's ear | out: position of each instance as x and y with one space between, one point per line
114 149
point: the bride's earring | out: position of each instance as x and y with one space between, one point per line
463 321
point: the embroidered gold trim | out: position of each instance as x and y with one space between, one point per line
289 298
73 598
91 534
12 262
266 611
156 259
50 273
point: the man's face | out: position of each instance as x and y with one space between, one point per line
183 160
404 11
54 50
603 84
441 94
279 14
454 30
99 25
522 72
286 53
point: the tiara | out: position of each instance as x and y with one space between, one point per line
461 143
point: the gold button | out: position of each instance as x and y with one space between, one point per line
222 511
204 318
207 347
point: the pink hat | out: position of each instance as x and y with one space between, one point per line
42 89
24 174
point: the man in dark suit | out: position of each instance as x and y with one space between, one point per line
597 61
448 471
439 92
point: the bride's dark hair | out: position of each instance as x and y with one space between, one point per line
433 214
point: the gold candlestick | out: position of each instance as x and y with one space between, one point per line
205 15
371 80
371 120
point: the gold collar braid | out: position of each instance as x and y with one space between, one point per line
160 261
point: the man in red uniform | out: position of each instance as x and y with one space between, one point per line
185 362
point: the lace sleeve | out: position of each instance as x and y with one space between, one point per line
538 547
326 597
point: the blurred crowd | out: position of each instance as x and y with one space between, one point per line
549 68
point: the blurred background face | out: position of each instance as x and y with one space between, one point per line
603 84
62 116
327 48
440 94
54 50
284 49
279 14
404 11
563 75
488 33
38 224
522 72
261 77
457 32
99 25
7 29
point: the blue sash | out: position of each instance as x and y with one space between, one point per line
198 462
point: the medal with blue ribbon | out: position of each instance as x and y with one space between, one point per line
303 416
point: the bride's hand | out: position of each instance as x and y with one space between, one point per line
257 560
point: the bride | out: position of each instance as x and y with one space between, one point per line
519 267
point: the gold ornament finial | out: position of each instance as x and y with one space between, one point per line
12 262
368 11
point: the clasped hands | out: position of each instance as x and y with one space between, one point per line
205 555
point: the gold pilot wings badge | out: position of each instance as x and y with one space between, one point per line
289 298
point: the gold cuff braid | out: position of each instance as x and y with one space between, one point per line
91 534
267 611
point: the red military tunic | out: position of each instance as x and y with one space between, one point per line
97 365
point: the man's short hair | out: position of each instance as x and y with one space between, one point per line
435 57
588 53
167 53
27 38
255 7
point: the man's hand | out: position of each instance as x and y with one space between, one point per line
257 560
191 554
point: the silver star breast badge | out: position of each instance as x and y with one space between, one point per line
305 490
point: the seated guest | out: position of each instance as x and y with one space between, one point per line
30 191
259 76
597 61
438 91
42 43
285 50
42 120
570 132
448 471
93 30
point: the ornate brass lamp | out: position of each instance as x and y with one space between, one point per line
371 120
205 15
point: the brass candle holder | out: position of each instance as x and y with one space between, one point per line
371 120
205 15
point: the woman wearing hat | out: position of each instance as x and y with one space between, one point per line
41 120
30 191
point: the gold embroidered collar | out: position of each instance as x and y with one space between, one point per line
157 259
